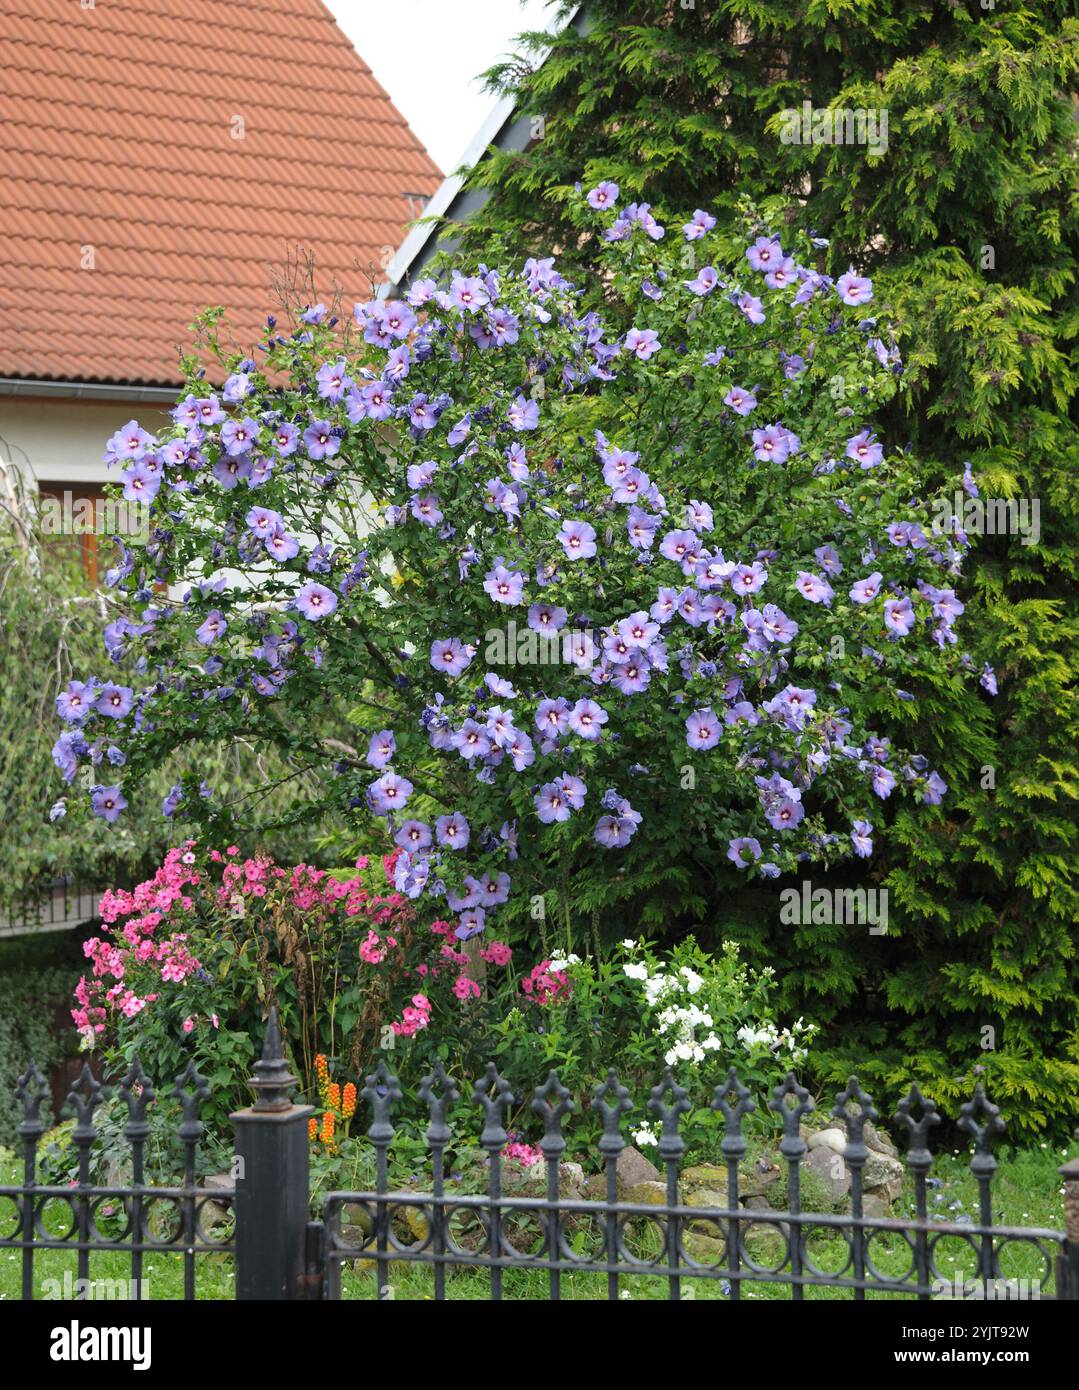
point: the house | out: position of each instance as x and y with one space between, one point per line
158 159
453 202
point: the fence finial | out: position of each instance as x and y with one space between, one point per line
272 1081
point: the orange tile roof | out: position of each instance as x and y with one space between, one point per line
118 123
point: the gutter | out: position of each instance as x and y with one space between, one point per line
85 390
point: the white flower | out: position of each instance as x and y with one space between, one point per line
636 970
644 1137
629 944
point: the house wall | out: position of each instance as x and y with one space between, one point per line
58 440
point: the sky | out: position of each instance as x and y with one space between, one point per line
427 53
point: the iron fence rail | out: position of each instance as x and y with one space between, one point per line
281 1253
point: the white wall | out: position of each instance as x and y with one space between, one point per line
59 440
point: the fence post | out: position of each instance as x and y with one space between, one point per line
272 1181
1068 1264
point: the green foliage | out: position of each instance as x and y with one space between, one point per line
969 225
31 969
51 627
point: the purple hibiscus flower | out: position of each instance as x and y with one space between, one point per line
861 838
642 342
704 282
75 702
864 449
587 719
413 836
333 381
853 288
603 196
389 793
703 729
320 441
935 787
452 831
141 482
578 539
743 851
281 545
211 628
315 601
700 223
546 617
114 701
552 717
449 654
523 414
552 804
107 802
899 615
866 590
764 253
381 748
504 585
814 588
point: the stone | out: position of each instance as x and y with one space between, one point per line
884 1175
757 1204
706 1197
831 1170
833 1139
414 1218
527 1179
652 1194
632 1168
874 1205
211 1214
595 1188
355 1214
877 1139
755 1180
570 1180
704 1249
710 1175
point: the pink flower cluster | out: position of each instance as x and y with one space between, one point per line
542 985
524 1154
414 1018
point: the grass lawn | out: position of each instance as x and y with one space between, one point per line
1027 1192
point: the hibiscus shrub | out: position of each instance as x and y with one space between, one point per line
619 616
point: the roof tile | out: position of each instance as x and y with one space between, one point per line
118 135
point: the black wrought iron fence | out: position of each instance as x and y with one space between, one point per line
86 1218
656 1230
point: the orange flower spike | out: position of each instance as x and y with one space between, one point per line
348 1102
333 1096
322 1073
312 1129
